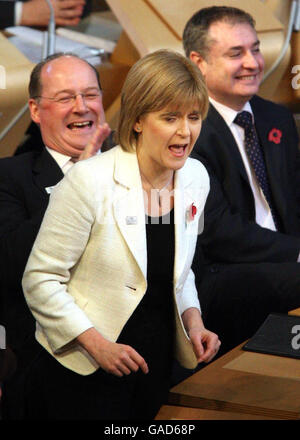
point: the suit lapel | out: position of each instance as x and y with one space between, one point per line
185 194
221 127
46 172
180 226
128 206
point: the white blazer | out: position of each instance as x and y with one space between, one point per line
88 265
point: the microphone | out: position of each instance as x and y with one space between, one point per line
49 42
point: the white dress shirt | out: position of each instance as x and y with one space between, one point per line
263 215
63 161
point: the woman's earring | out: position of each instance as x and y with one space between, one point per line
137 128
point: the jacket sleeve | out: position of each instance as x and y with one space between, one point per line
7 15
87 8
18 227
59 245
189 296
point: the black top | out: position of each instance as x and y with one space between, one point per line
154 313
150 330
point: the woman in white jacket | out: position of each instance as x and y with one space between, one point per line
109 279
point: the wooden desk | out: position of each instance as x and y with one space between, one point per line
171 412
244 382
295 312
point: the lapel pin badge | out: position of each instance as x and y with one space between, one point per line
191 212
275 136
131 220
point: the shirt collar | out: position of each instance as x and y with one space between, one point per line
60 158
228 113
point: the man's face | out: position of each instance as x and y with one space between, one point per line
233 68
68 124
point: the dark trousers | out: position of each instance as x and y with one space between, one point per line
12 402
53 392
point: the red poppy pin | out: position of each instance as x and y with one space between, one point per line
275 136
192 211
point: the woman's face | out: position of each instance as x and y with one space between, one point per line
166 137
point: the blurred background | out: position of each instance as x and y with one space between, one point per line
116 33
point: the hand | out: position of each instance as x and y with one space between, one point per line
95 144
114 358
37 12
119 359
206 344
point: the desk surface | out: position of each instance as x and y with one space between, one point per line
244 382
171 412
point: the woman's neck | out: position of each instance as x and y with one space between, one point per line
154 175
158 195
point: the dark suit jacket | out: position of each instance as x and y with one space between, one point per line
230 233
7 17
23 201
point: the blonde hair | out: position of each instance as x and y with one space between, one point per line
162 79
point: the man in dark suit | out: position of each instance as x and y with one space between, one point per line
37 13
251 238
66 102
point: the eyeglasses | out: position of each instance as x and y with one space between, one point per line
70 99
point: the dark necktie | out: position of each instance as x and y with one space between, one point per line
255 155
